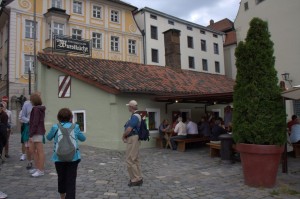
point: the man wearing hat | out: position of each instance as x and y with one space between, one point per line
131 138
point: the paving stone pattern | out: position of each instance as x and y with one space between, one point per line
167 174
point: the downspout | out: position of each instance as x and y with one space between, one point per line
134 12
7 69
144 39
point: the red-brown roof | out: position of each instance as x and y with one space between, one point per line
230 38
222 25
126 77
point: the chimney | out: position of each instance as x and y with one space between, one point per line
211 22
172 48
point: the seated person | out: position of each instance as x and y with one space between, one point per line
204 128
191 128
291 123
295 133
180 129
216 131
164 127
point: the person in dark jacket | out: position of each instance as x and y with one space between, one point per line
36 134
217 130
3 129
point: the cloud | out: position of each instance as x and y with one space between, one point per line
197 11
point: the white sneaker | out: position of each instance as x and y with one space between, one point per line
38 173
32 171
23 157
2 195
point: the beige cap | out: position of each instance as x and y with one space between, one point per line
132 103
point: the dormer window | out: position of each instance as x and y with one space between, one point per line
57 4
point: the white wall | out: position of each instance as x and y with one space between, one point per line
162 25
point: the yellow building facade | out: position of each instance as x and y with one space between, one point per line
109 25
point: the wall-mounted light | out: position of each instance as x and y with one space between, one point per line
286 77
176 101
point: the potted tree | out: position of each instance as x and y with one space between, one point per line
259 119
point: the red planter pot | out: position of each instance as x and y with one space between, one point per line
260 164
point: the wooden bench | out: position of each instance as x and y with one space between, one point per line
159 142
215 149
296 148
182 142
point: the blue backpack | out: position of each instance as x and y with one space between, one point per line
143 131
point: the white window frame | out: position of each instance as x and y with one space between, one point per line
132 46
97 12
30 61
157 118
56 4
76 34
77 7
98 43
58 28
115 16
31 28
216 49
74 119
115 44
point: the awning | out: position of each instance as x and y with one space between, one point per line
293 94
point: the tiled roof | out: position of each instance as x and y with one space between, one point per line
222 25
230 38
126 77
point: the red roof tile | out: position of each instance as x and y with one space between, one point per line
230 38
222 25
126 77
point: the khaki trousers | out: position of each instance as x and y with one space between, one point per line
132 158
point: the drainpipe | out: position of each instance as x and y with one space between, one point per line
7 67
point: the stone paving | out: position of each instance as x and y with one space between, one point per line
167 174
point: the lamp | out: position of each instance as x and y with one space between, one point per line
286 77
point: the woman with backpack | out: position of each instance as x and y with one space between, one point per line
66 152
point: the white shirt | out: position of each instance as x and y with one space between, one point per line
180 128
8 113
191 128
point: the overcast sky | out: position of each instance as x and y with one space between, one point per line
197 11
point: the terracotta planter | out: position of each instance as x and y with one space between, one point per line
260 164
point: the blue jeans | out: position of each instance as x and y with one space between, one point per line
172 140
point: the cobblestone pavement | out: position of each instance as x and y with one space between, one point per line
167 174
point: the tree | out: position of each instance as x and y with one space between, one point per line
259 114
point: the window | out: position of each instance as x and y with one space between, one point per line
170 22
114 16
246 7
202 32
153 32
216 48
204 65
28 61
153 119
76 34
80 119
153 16
97 12
214 35
97 40
189 28
57 3
154 54
258 1
114 43
190 42
58 29
203 45
191 62
77 7
217 67
131 46
29 29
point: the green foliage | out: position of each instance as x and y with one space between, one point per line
259 114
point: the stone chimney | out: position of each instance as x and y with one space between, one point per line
172 48
211 22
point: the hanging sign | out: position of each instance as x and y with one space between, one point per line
64 43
